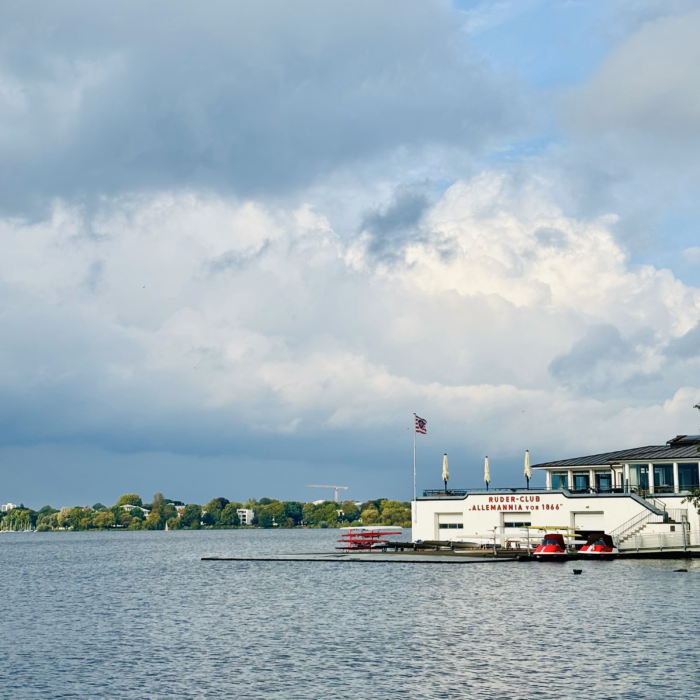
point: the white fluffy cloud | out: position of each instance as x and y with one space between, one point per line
166 320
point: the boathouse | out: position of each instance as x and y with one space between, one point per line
636 495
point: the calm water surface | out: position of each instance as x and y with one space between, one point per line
138 615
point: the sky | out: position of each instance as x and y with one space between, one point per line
243 243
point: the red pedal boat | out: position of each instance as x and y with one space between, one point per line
599 546
552 548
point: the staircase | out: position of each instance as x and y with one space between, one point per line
651 514
620 541
656 513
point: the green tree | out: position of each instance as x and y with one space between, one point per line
395 513
294 510
45 510
265 501
215 508
125 519
229 516
265 519
135 524
17 519
117 512
191 516
173 523
76 515
99 506
307 513
276 509
325 515
350 511
104 519
49 521
137 513
694 496
370 516
129 499
376 504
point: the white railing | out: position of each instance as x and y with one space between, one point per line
636 523
661 541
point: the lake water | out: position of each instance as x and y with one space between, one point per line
138 615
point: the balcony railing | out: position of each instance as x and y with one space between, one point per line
643 492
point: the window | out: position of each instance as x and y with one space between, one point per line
639 477
663 478
688 476
603 481
560 480
523 523
451 526
581 481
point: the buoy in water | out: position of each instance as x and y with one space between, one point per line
677 571
578 571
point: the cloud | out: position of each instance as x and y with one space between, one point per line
628 140
392 227
649 84
246 99
206 326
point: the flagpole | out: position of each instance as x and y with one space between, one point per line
415 504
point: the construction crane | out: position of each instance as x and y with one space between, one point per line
316 486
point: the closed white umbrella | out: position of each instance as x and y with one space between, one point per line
528 471
445 472
487 472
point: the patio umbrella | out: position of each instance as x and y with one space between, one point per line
445 472
487 472
528 471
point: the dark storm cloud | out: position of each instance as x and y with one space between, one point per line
396 224
250 97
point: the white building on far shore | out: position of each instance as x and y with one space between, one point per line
128 507
7 507
245 515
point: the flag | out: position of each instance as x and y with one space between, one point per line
421 425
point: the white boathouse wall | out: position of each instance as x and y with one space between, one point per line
479 515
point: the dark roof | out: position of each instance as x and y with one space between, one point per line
684 440
681 450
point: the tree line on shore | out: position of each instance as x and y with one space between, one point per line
130 513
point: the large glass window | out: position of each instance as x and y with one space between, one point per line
639 477
603 481
582 481
688 476
663 478
560 480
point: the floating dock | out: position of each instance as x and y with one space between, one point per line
422 557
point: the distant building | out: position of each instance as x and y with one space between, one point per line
245 515
129 507
7 507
